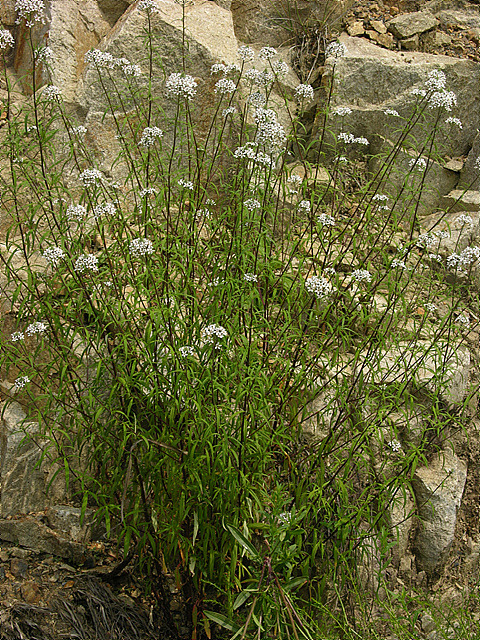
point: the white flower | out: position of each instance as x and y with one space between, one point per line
106 208
416 91
31 11
436 257
261 78
318 286
213 333
391 112
257 99
361 274
285 517
251 204
436 80
187 351
133 70
476 164
79 131
270 133
148 5
149 136
325 220
361 141
349 138
266 53
398 264
246 54
87 261
53 255
45 55
76 212
225 86
140 247
90 176
304 206
185 184
100 59
394 445
341 111
6 39
210 203
464 320
420 164
52 93
336 50
17 336
147 192
380 196
36 327
304 92
229 111
445 99
463 260
180 85
280 68
464 219
248 151
250 277
429 306
342 159
20 383
454 121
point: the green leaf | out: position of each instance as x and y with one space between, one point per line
195 527
241 599
222 620
240 538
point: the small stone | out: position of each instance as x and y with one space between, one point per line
428 623
4 556
18 567
356 29
31 592
409 24
2 573
379 26
16 552
394 10
455 165
384 39
442 39
410 44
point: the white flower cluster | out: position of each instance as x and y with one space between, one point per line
280 68
224 68
420 164
427 240
148 191
76 212
246 54
395 445
105 209
187 351
436 80
140 247
36 327
326 220
464 219
284 517
250 277
148 5
442 99
454 121
251 204
53 255
398 264
87 262
304 92
392 112
257 99
225 86
149 136
31 11
90 176
6 39
180 85
79 131
134 70
464 320
45 55
270 133
254 77
430 307
318 286
341 111
267 53
99 59
248 151
229 111
304 206
20 383
295 181
52 93
213 333
17 336
336 50
380 196
185 184
463 260
349 138
361 274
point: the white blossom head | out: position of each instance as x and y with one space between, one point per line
443 100
251 204
181 85
31 11
44 55
267 53
280 68
99 59
214 334
341 111
361 275
246 54
86 262
36 328
149 6
52 93
436 80
336 50
318 286
224 86
456 121
420 164
149 136
90 176
76 212
140 247
304 92
6 39
304 206
20 383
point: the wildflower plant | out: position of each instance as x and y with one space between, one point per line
201 341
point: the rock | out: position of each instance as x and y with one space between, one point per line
18 567
470 175
31 533
459 235
73 27
356 29
427 366
460 200
438 490
24 483
31 592
409 24
410 44
402 509
459 19
442 39
7 12
455 164
68 520
383 39
378 26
